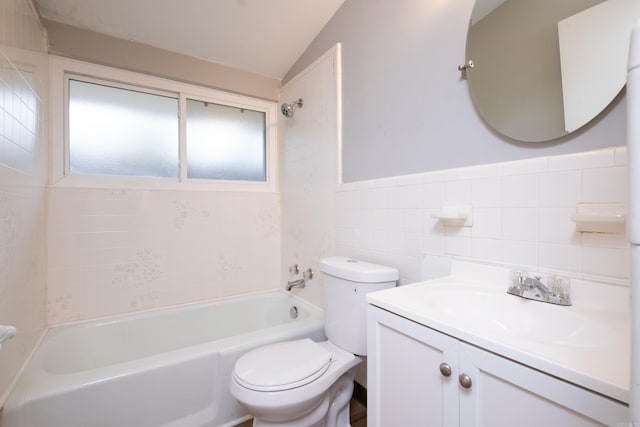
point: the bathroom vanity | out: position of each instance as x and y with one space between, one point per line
460 351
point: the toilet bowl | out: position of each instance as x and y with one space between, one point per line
293 383
304 383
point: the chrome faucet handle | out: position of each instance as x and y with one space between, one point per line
518 278
557 290
560 288
307 274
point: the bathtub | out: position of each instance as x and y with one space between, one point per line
168 367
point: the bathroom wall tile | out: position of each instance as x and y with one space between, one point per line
435 266
412 244
365 239
394 197
486 192
478 172
560 189
603 185
519 253
560 257
457 193
433 243
555 226
360 223
431 224
405 180
396 220
586 160
521 216
605 240
459 246
378 198
412 196
23 180
433 195
487 223
520 224
620 156
201 233
362 198
380 219
522 167
411 269
609 262
412 220
346 236
486 249
364 218
395 242
379 240
520 191
440 176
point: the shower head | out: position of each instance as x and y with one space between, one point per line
287 109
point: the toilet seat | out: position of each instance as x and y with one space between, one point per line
282 366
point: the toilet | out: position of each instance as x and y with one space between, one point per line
302 383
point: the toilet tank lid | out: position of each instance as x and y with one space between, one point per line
357 271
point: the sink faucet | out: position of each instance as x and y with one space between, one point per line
532 288
535 284
295 284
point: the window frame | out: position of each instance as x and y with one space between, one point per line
63 69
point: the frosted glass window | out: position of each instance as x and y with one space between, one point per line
225 142
114 131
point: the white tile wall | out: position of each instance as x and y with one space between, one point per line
308 182
23 173
116 251
521 216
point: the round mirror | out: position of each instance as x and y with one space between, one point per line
544 68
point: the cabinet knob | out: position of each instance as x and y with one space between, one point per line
465 380
445 369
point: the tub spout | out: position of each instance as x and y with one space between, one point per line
295 284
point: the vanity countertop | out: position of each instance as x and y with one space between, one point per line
587 344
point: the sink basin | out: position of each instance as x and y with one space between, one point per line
496 312
587 343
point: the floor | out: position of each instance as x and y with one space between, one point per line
358 415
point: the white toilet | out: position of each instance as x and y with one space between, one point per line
306 384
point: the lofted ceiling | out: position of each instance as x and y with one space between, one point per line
261 36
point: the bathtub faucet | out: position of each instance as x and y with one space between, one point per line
295 284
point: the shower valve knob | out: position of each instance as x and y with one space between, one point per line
308 274
294 269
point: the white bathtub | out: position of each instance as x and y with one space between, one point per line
163 368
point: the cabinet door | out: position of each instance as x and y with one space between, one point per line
405 386
504 393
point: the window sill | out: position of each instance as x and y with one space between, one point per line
155 183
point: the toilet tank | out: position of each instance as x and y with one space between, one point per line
345 283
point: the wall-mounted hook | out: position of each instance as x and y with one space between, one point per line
464 67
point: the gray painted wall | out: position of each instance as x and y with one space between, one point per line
405 108
77 43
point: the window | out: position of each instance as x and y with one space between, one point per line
225 142
115 131
122 128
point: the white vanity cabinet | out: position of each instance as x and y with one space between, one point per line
416 377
